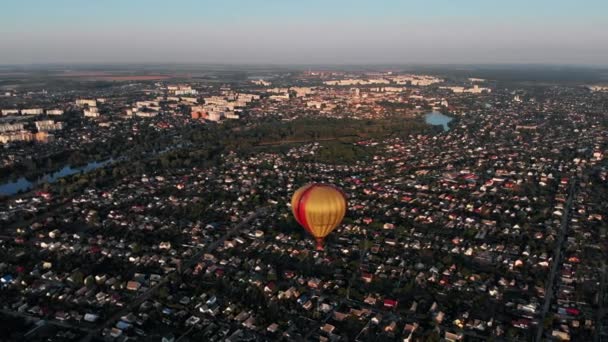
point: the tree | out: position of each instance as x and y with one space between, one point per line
548 321
77 278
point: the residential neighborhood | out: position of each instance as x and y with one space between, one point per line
488 226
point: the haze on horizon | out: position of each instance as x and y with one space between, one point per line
305 32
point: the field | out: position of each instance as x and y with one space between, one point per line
102 76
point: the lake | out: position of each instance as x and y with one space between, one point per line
12 187
436 119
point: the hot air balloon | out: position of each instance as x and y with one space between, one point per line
318 208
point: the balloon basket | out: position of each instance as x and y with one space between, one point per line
320 245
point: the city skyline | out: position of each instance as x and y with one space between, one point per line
275 32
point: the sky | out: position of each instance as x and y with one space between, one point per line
305 31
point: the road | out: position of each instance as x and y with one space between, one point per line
318 325
550 288
601 303
302 141
188 264
65 325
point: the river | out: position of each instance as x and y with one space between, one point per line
22 184
436 119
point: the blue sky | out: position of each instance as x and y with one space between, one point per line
311 31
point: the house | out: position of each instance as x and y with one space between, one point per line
340 316
328 328
390 329
133 285
6 279
272 328
241 317
168 338
307 305
249 323
367 277
371 300
314 283
453 337
89 317
439 317
390 303
115 332
560 335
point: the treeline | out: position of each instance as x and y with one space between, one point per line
203 145
230 135
341 153
315 129
395 105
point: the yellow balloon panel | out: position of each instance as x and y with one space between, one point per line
324 209
319 208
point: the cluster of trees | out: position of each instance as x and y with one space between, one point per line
209 141
342 152
395 105
276 132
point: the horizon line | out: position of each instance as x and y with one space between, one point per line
284 64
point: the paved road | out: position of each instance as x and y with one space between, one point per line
60 324
318 325
601 311
556 261
188 264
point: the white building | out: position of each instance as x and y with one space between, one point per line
32 111
147 114
48 125
54 111
478 90
598 88
455 89
189 99
261 82
315 104
277 90
350 82
15 136
416 80
475 90
279 97
214 116
11 127
85 102
182 90
91 112
302 91
10 111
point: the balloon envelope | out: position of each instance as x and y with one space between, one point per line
318 208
